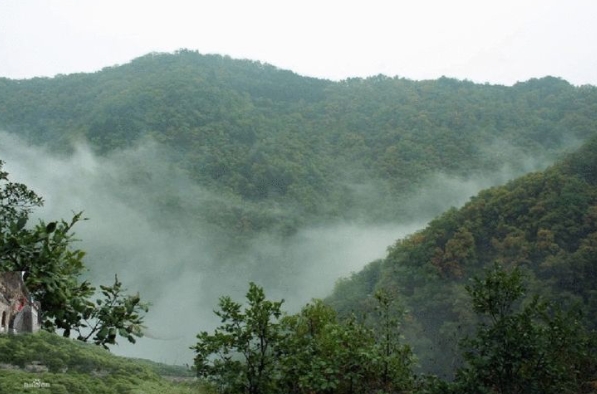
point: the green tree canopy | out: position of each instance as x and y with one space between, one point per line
258 349
533 348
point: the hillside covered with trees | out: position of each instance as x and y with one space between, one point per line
315 148
495 296
543 223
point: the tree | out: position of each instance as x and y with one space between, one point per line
257 351
394 358
535 348
16 200
116 314
305 365
322 355
52 272
244 345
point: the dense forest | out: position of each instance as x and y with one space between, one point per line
317 149
269 154
543 223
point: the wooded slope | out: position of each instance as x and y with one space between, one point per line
544 222
321 149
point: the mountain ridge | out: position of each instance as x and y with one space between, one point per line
262 134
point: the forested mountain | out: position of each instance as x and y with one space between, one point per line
544 222
270 153
316 148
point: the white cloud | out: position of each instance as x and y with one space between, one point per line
499 42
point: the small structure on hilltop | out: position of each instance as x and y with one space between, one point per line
18 312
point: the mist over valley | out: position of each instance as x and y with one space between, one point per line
200 173
146 224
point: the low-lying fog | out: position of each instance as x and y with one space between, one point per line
179 264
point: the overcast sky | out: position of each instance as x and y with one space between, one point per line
483 41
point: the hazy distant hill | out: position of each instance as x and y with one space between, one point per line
316 148
544 222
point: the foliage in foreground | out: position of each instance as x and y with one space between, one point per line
257 350
52 273
517 348
533 348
